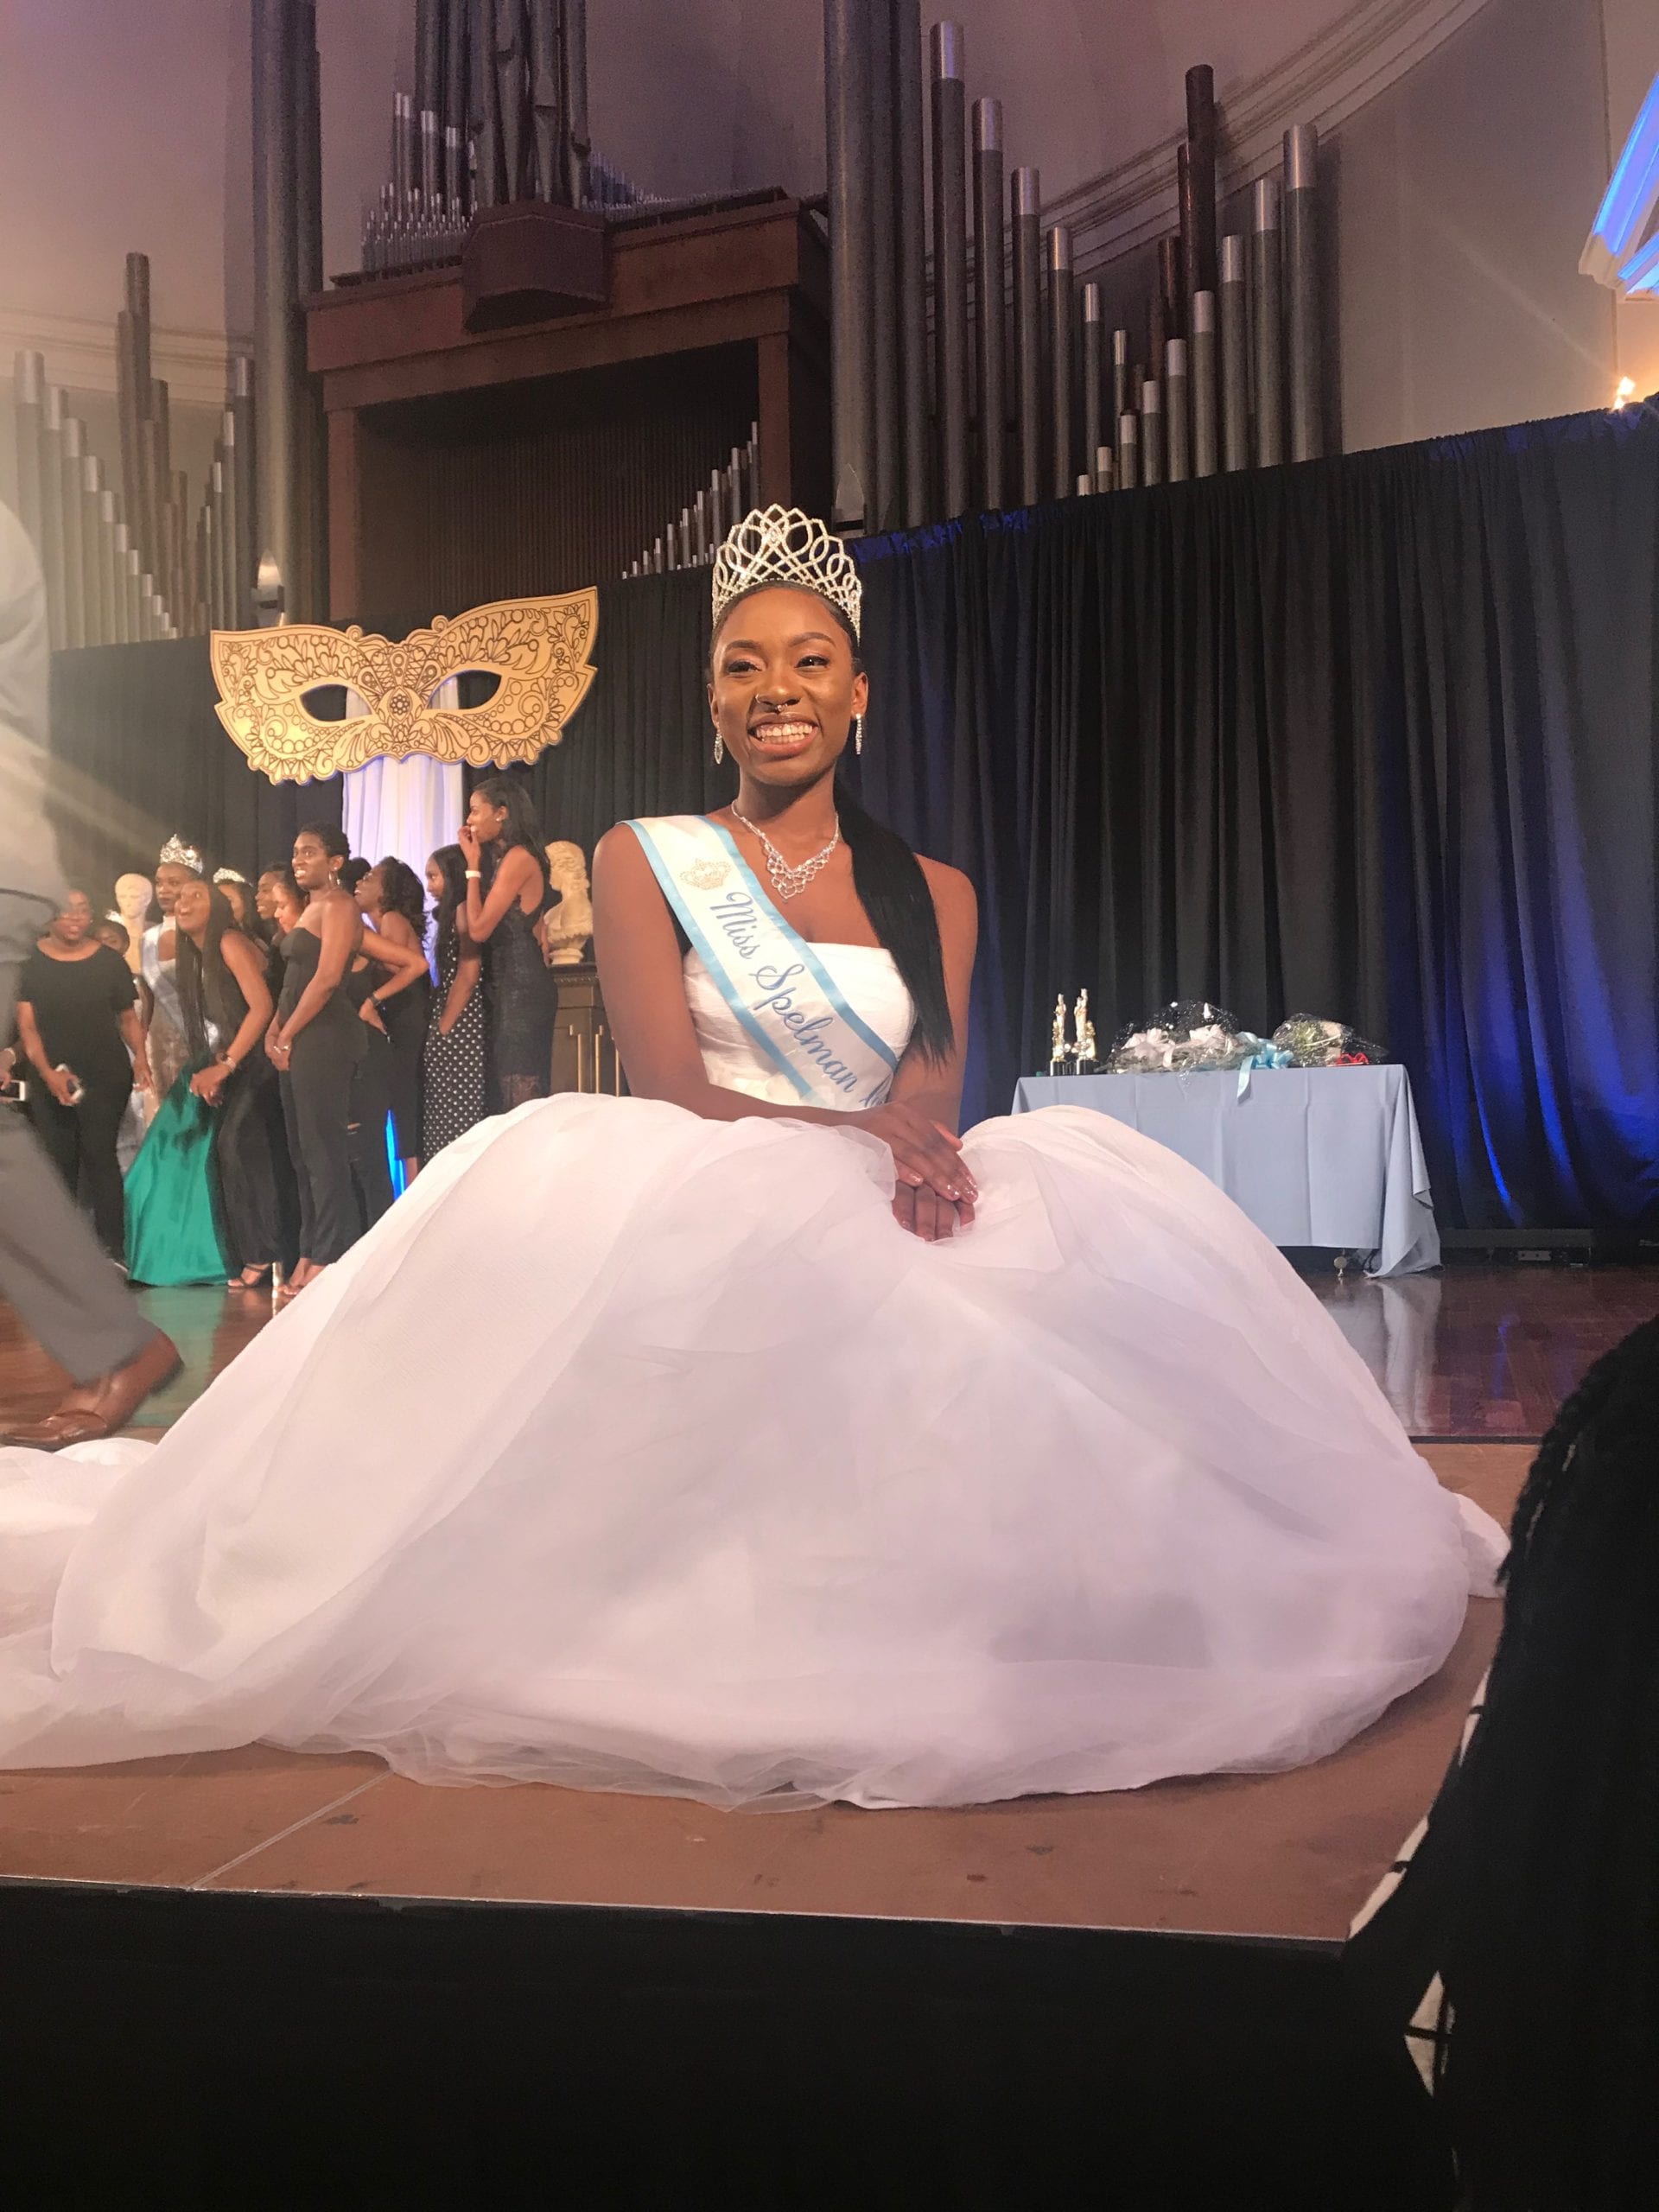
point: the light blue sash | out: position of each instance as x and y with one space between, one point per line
771 978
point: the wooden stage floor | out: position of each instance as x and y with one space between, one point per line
1481 1352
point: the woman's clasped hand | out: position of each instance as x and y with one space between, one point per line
936 1192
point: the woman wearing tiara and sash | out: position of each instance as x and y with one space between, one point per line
1061 1480
174 1229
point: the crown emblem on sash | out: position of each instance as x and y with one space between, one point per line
705 875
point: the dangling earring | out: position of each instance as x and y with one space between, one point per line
720 747
858 733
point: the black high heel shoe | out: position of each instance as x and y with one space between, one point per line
251 1277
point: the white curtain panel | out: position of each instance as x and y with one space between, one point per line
407 807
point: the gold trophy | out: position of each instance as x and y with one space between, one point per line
1057 1052
1082 1052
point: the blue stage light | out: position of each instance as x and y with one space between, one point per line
1627 205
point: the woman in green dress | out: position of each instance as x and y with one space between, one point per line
173 1232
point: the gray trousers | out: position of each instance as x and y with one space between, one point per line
52 1268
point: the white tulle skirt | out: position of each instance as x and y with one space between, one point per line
637 1452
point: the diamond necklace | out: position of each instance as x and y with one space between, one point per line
789 882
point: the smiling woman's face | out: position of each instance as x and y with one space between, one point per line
784 690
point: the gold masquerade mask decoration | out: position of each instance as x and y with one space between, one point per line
539 649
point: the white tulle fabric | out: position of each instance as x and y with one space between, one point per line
639 1451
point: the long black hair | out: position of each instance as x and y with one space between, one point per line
521 828
893 890
451 863
401 892
207 989
1539 1869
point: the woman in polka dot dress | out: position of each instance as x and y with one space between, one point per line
453 1067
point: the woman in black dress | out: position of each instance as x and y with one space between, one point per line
453 1094
224 990
391 901
314 1043
80 1027
502 841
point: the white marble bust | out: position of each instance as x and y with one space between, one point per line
568 925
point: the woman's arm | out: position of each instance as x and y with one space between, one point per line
516 869
641 982
406 960
469 965
62 1087
935 1088
132 1036
341 926
249 970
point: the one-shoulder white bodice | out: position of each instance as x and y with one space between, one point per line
162 975
868 978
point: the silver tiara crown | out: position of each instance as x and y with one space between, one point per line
176 854
230 876
781 545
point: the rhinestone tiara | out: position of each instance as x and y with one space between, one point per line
781 545
176 854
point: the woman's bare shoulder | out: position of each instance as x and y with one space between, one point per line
620 852
955 899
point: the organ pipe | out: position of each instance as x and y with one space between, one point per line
990 300
1235 357
909 169
847 111
1201 270
1202 368
949 95
1063 475
1151 432
1266 337
1176 422
1028 333
887 455
1301 268
1092 368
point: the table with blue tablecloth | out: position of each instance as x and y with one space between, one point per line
1329 1157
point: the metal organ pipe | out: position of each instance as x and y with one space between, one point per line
1027 331
1206 433
1151 432
1201 270
990 300
1063 475
951 265
1301 262
912 255
1235 357
1177 432
886 454
278 335
1266 335
847 115
1092 368
71 450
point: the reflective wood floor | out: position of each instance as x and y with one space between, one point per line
1474 1359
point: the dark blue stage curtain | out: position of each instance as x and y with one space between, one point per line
1372 738
139 754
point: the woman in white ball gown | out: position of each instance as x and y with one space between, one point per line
755 1434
